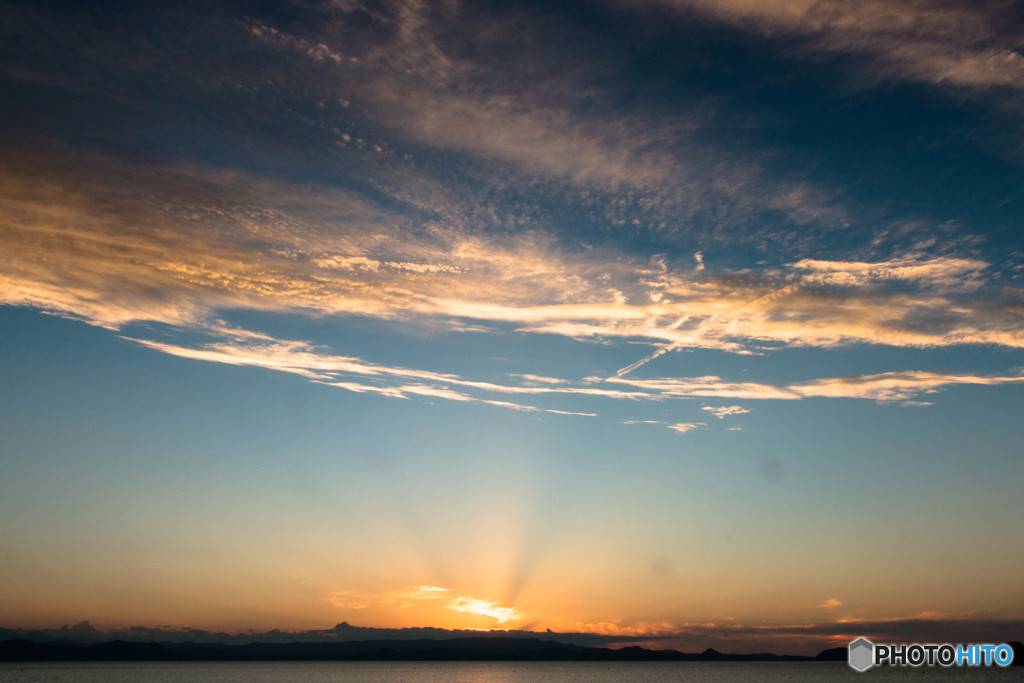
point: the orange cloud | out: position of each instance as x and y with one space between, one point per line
184 267
406 598
73 248
485 608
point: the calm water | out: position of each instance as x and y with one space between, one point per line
476 672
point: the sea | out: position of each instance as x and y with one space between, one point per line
480 672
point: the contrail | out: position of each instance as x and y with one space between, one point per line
767 298
633 366
663 350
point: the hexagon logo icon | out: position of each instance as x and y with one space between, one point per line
861 654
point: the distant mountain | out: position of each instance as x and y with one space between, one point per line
488 646
423 649
85 632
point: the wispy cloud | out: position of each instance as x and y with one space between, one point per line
630 166
185 266
891 386
683 427
106 241
301 358
895 386
925 626
356 375
950 273
723 412
348 600
959 43
706 387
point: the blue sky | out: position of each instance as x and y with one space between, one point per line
623 318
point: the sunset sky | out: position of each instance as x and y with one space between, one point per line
698 320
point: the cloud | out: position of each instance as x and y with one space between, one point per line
485 608
177 244
348 600
725 411
958 43
891 386
895 386
537 379
406 598
811 638
304 359
440 80
117 244
627 632
925 626
683 427
705 387
357 375
407 77
831 603
300 358
948 273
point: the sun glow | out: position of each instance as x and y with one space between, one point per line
425 596
485 608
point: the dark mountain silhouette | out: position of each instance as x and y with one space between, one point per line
82 642
84 632
455 649
833 654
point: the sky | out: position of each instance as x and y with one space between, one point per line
695 321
